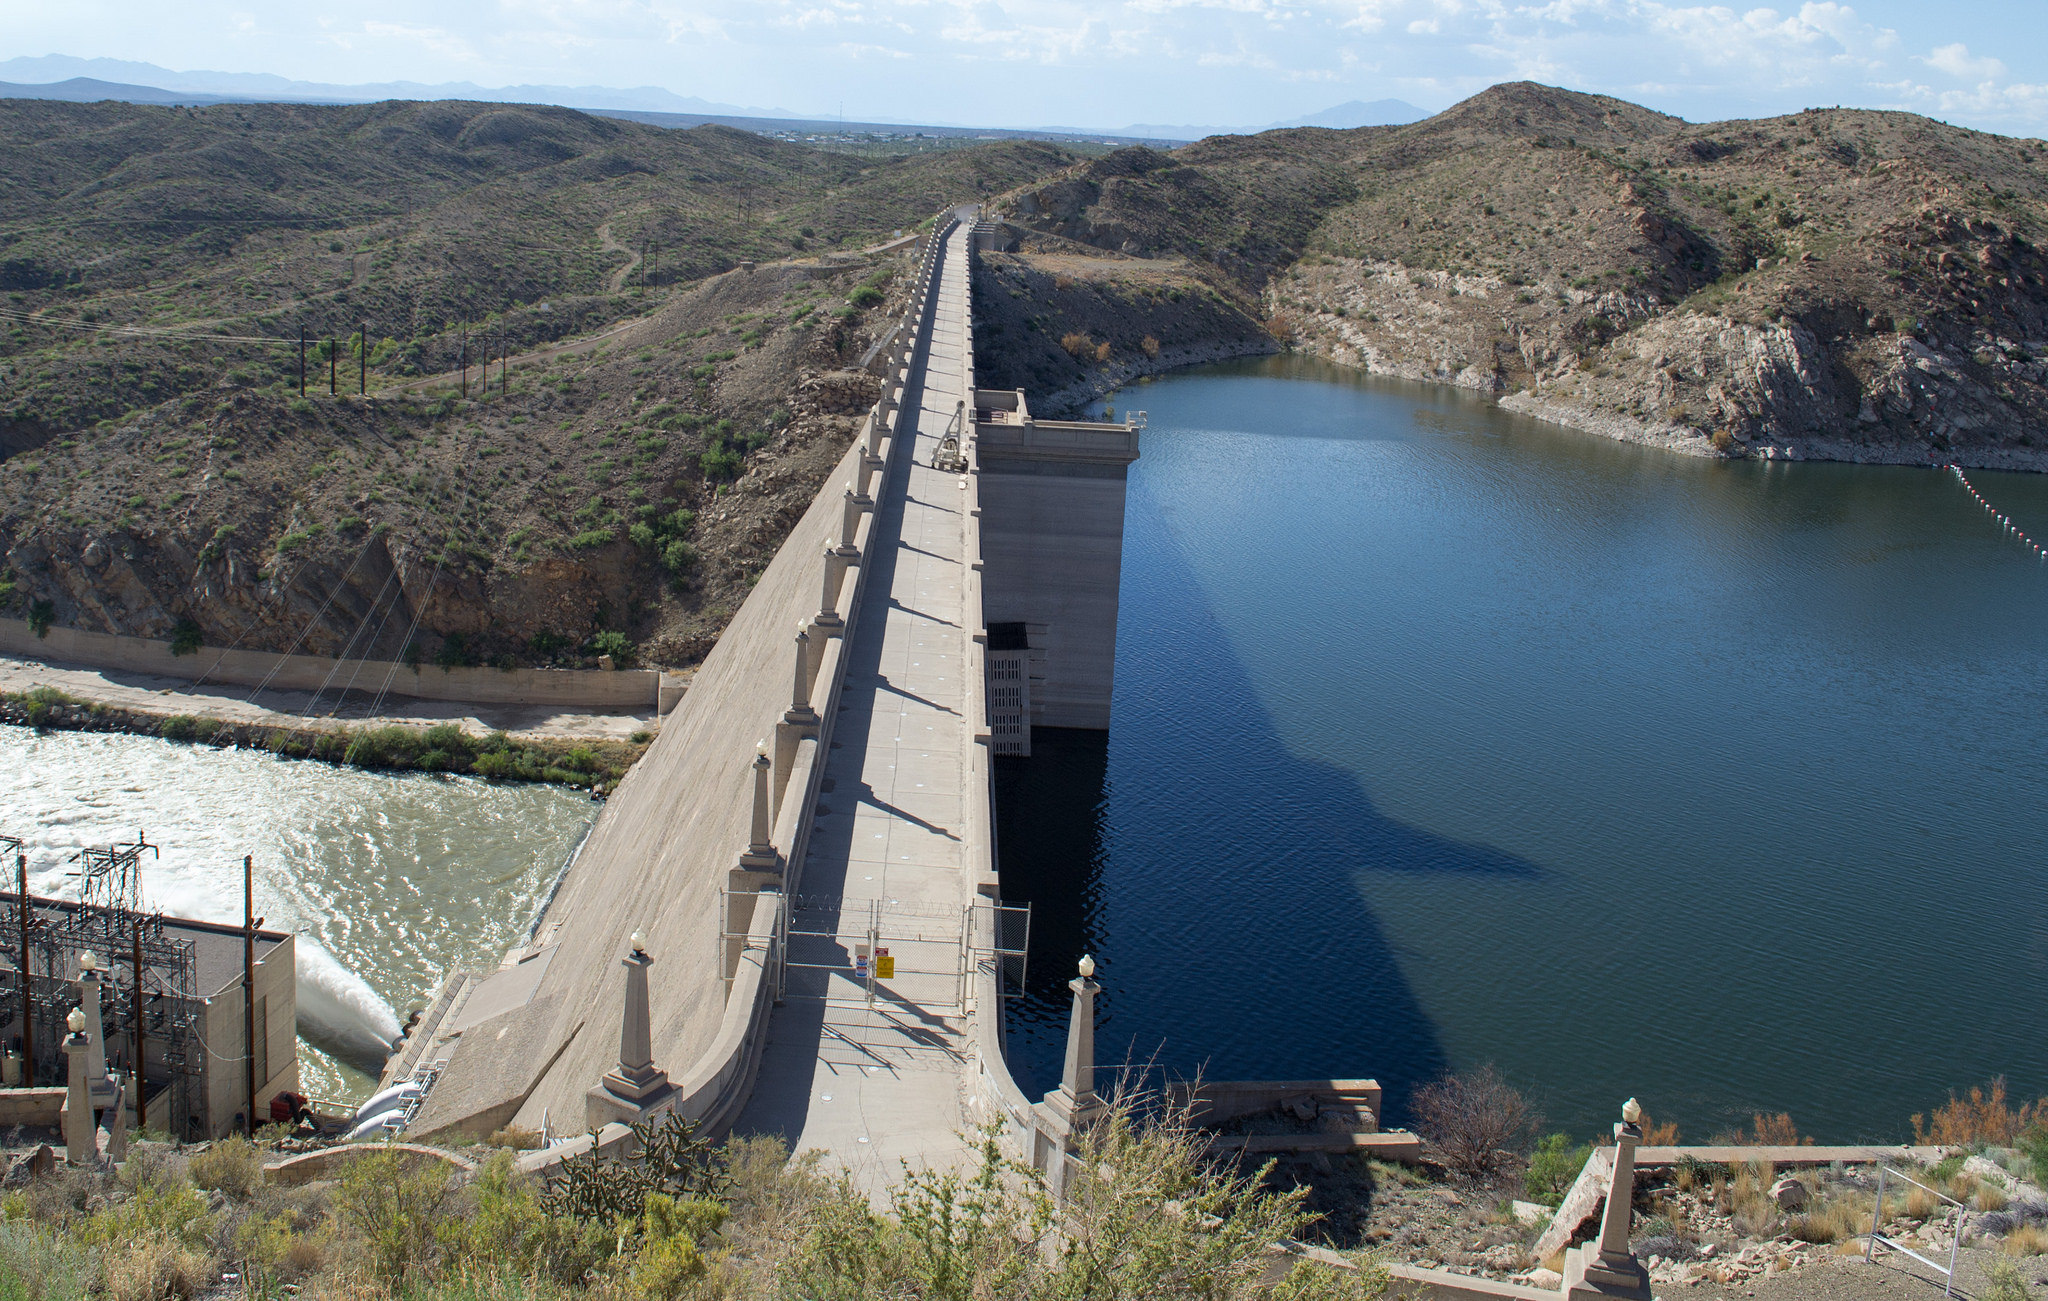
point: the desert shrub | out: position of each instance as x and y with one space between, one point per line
280 1246
38 1265
2004 1281
1656 1135
1310 1281
864 296
1078 346
671 1233
1982 1118
1102 351
42 612
1553 1167
616 644
185 638
1149 346
1476 1124
1147 1215
393 1200
1775 1131
232 1165
678 557
2027 1240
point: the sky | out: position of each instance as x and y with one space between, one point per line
1105 63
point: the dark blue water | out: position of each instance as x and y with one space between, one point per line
1443 737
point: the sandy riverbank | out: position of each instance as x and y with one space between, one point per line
149 694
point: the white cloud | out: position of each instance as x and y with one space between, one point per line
1955 60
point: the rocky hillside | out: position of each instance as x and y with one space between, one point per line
665 420
1837 284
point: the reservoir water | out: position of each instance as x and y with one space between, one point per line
1444 737
389 879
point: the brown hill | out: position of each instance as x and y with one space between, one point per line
163 476
1835 283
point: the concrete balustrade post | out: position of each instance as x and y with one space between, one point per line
828 599
636 1086
1069 1110
80 1143
849 522
760 855
1609 1269
800 713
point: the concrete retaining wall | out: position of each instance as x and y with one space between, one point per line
634 691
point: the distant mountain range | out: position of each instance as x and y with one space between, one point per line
63 77
1355 113
60 76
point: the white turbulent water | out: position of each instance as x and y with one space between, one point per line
389 879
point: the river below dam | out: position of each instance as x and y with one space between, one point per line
389 879
1443 737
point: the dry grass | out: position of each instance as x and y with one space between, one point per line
1921 1204
1746 1199
1990 1197
1839 1220
154 1268
1077 345
2027 1240
516 1137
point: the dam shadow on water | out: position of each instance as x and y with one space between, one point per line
1232 938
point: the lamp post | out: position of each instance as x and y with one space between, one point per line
1609 1269
79 1144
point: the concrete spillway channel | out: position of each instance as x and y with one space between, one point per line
824 955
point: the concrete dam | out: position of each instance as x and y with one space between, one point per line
788 917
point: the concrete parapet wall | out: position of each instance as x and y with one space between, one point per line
996 1093
326 1163
31 1107
631 691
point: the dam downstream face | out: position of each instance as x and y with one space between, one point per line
1443 737
395 878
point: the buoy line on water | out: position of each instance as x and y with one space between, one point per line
2004 520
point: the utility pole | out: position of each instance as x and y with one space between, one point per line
28 1025
465 361
249 924
333 361
302 379
141 1090
363 362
